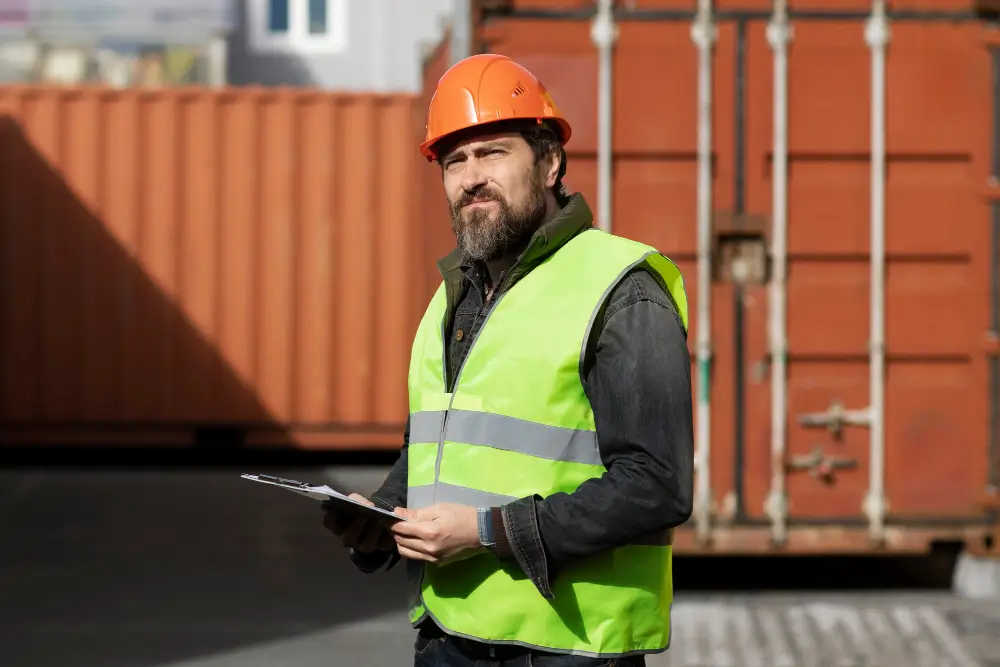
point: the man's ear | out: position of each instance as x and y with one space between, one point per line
553 162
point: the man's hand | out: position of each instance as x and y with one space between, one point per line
439 534
357 531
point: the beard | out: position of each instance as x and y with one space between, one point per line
481 237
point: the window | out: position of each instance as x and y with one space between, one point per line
277 16
299 26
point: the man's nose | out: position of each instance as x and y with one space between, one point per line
473 177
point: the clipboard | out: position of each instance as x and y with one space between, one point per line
323 493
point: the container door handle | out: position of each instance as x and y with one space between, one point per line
820 465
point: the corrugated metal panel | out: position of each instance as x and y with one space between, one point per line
583 7
202 258
439 239
937 240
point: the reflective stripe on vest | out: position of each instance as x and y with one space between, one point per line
508 433
519 424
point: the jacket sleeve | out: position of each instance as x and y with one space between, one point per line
638 381
390 495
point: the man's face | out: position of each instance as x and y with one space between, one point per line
496 193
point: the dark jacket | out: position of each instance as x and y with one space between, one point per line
637 377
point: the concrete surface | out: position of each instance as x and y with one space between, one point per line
202 569
113 569
977 578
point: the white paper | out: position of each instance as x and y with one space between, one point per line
315 492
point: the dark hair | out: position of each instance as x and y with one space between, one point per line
544 142
543 139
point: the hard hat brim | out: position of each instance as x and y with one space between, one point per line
430 148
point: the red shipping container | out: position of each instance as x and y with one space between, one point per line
177 260
940 405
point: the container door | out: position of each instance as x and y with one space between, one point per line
932 443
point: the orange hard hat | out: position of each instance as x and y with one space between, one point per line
487 88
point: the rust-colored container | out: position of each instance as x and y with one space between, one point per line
439 239
940 412
177 263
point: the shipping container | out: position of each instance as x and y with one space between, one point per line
242 264
809 439
192 265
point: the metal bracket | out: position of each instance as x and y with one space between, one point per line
604 31
820 465
776 508
836 417
875 506
726 511
877 31
988 545
704 32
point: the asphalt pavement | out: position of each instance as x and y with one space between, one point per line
187 568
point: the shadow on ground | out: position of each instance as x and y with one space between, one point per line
815 573
153 567
143 568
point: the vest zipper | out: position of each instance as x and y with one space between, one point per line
458 375
444 423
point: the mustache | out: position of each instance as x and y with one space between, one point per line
481 193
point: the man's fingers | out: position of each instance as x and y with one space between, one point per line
414 555
407 553
412 528
410 544
417 545
356 531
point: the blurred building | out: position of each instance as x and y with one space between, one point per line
364 45
117 42
369 45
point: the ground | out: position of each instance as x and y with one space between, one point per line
183 568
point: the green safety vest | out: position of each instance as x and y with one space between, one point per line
519 423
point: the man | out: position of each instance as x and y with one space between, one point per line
548 453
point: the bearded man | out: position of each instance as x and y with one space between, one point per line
548 454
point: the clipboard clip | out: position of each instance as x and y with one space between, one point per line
287 482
